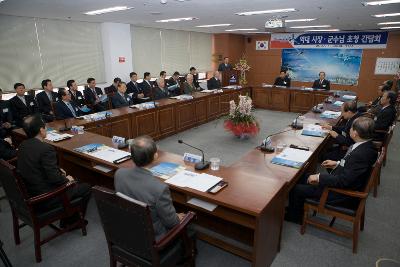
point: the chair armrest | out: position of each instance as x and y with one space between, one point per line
56 192
324 196
176 231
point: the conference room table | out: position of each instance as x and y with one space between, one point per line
249 215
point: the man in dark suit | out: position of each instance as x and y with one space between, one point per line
45 99
65 108
195 77
92 96
147 85
6 121
225 65
351 172
215 81
321 83
173 82
76 96
140 184
113 88
121 98
160 91
37 164
7 150
22 105
134 90
386 116
283 79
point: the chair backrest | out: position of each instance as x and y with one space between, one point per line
127 223
375 170
15 190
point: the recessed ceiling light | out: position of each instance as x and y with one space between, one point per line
378 3
240 30
299 20
107 10
259 32
250 13
326 30
307 27
389 28
389 23
213 25
386 15
177 19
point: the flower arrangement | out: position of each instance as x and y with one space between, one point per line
242 66
241 122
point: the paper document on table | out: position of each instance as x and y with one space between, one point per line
329 114
201 182
53 136
109 154
292 157
202 204
313 130
338 103
349 97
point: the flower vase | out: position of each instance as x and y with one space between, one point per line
242 79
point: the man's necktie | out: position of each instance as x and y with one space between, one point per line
71 109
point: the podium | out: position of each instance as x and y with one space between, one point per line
230 77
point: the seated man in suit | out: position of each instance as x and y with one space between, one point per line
65 108
7 150
134 90
195 77
45 100
140 184
225 65
92 96
76 96
121 98
147 85
173 81
374 107
188 86
215 81
161 90
113 88
22 105
6 121
37 164
341 134
386 116
351 172
321 83
283 79
163 75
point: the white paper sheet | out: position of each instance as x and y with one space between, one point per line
108 154
296 155
202 204
55 137
201 182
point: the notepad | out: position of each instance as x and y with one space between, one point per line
201 182
291 157
104 152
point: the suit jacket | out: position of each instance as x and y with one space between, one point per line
213 83
344 131
326 85
90 96
110 89
159 93
282 82
385 118
6 151
79 100
63 112
140 184
171 82
44 102
147 88
188 89
223 67
5 112
19 110
196 81
133 89
355 172
119 101
37 164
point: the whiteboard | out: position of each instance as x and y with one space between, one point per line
387 66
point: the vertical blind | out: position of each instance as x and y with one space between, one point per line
34 49
154 50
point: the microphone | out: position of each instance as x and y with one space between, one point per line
295 125
65 128
266 144
200 165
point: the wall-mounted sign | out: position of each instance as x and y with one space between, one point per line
387 66
121 59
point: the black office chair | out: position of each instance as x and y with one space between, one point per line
130 237
4 257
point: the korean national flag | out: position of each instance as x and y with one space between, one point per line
261 45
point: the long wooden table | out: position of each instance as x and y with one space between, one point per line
249 216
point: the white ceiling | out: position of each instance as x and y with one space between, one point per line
341 14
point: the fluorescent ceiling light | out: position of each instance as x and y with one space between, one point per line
378 3
1 1
249 13
259 32
213 25
107 10
326 30
389 23
299 20
386 15
177 19
238 30
314 26
389 28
